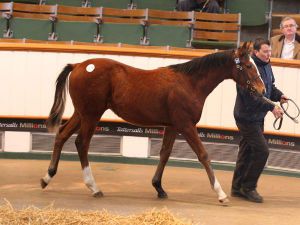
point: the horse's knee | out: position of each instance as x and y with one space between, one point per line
203 157
61 128
59 141
52 172
164 156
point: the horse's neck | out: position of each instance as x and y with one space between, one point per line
210 81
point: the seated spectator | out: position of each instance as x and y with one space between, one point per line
209 6
287 44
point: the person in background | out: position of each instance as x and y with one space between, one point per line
209 6
249 114
287 44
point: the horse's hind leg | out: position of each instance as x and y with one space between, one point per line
191 135
82 142
168 141
65 131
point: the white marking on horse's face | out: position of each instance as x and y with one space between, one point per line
252 61
90 68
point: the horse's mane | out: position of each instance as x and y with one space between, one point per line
204 63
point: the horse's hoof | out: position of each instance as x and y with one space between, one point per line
162 195
43 183
98 194
224 201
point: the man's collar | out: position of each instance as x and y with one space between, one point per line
288 42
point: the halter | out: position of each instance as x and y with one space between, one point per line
249 86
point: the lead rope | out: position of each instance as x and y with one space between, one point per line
204 5
280 119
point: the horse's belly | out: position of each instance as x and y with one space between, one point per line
141 116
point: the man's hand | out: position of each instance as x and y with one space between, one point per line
277 112
283 99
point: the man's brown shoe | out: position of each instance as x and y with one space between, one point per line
251 195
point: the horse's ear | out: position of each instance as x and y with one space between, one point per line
244 46
245 49
247 46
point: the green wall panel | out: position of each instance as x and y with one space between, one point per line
30 29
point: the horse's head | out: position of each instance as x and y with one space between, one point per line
245 72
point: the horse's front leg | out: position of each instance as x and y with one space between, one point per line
191 135
168 141
65 131
82 143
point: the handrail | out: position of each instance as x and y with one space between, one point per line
74 47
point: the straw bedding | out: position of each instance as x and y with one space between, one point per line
51 216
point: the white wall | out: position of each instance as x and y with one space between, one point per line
23 143
28 83
288 81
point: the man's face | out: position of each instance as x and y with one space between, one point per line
289 27
264 53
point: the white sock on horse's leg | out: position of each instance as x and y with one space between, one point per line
89 180
47 178
218 189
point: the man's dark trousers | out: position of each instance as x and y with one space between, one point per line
252 156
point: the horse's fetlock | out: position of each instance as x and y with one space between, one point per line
156 183
52 172
88 181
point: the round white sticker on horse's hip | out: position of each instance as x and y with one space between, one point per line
90 68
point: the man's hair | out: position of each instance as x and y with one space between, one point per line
285 19
259 42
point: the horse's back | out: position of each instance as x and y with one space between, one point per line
118 73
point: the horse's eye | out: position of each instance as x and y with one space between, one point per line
249 66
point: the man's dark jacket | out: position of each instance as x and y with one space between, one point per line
252 109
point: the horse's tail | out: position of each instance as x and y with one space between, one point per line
58 106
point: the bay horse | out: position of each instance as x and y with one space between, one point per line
172 97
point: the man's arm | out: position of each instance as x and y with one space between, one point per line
254 101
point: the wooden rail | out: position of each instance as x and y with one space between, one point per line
163 51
